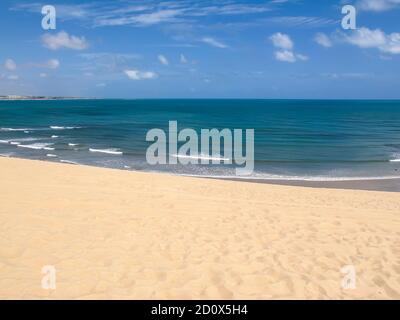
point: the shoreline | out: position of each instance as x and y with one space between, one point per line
384 184
135 235
48 99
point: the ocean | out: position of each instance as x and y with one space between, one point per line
304 140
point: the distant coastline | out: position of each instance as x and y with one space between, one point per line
28 98
16 97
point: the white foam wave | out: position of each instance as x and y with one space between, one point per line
16 129
37 146
68 161
72 144
6 155
63 128
200 157
272 177
27 139
396 157
108 151
54 136
17 142
51 155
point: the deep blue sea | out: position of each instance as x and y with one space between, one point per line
294 139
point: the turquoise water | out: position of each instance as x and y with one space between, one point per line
294 139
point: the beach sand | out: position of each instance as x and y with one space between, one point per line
128 235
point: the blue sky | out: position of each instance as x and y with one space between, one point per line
201 49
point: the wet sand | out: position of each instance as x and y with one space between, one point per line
388 185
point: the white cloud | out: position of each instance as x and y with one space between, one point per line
377 5
393 44
213 42
286 56
64 11
366 38
140 75
52 64
282 41
148 13
285 46
163 60
106 62
13 77
144 19
323 40
10 65
157 17
43 75
122 57
301 57
64 40
183 59
302 21
49 64
225 9
351 75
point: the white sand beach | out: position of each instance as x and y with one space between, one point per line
114 234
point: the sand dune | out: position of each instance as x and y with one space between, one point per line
125 235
